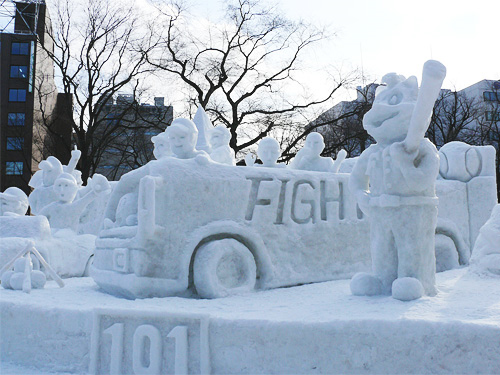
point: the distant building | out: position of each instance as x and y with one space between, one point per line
25 71
128 127
487 93
342 125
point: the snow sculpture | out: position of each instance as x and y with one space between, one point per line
161 145
183 135
13 202
394 184
65 212
25 276
43 182
309 157
219 142
486 255
268 152
204 127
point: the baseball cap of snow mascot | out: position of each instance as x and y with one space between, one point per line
389 118
182 134
13 200
66 186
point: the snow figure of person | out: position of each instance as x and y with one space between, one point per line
13 202
268 152
394 184
219 142
44 193
182 135
65 212
485 257
161 145
309 157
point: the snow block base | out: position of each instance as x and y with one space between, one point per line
316 328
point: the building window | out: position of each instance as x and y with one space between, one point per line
20 48
14 168
15 143
491 96
18 71
492 116
17 95
16 119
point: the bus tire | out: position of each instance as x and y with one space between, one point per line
223 267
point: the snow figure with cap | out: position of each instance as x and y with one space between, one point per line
268 152
13 202
65 212
394 184
219 143
161 146
182 135
44 193
309 157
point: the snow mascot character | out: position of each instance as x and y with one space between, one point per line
394 184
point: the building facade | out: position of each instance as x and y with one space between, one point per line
29 98
127 126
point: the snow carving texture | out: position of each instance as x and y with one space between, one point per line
486 255
394 183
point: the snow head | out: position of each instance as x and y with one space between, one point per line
389 118
219 136
183 135
66 187
315 143
51 168
14 201
269 151
161 145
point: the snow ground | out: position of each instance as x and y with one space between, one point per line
467 304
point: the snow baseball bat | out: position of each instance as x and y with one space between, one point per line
27 274
49 269
433 75
9 264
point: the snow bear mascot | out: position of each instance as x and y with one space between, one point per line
394 184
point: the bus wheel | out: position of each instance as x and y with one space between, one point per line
223 267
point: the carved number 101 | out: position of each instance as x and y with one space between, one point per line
142 332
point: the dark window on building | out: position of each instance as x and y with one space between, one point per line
18 71
14 168
491 96
17 95
16 119
15 143
20 48
492 116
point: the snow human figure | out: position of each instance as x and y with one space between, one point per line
219 142
161 145
394 184
13 202
309 157
182 135
65 212
44 193
268 152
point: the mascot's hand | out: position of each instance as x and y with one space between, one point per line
401 158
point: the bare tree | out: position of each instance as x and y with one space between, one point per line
454 118
244 70
98 50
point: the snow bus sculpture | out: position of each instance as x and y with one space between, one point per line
183 227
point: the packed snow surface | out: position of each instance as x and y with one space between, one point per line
459 327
